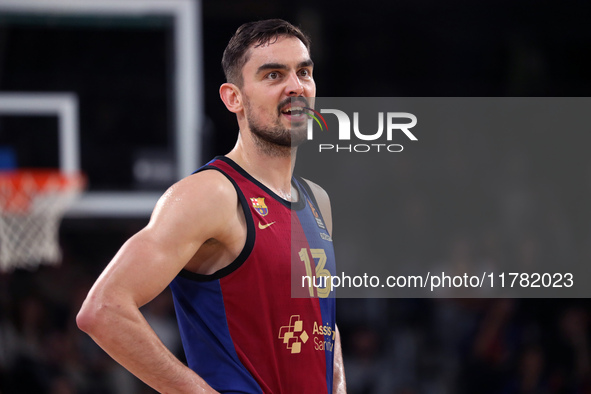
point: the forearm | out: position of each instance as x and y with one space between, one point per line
339 384
125 335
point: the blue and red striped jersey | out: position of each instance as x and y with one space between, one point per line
242 330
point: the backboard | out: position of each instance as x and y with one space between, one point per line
108 87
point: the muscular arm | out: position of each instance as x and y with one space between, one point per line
339 383
143 267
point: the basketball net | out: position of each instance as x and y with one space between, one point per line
32 204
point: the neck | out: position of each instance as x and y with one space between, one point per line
272 167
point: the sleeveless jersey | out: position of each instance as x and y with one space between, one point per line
242 331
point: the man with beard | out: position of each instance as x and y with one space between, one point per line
228 239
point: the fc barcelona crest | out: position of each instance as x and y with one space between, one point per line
259 205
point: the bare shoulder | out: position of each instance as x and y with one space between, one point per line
205 197
323 201
208 185
319 192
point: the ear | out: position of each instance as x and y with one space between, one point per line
231 96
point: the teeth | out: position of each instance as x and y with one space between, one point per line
294 109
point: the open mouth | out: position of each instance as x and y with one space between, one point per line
295 112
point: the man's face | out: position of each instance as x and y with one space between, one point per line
272 76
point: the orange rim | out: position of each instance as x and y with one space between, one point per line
19 187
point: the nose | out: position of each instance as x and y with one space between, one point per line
294 86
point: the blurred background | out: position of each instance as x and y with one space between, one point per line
122 69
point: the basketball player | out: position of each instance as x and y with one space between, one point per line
222 238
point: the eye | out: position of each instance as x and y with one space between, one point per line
305 72
273 75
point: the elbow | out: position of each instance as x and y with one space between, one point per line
91 317
86 318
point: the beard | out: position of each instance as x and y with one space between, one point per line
274 138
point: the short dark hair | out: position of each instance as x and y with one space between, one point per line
258 33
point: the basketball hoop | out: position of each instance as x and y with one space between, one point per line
32 204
